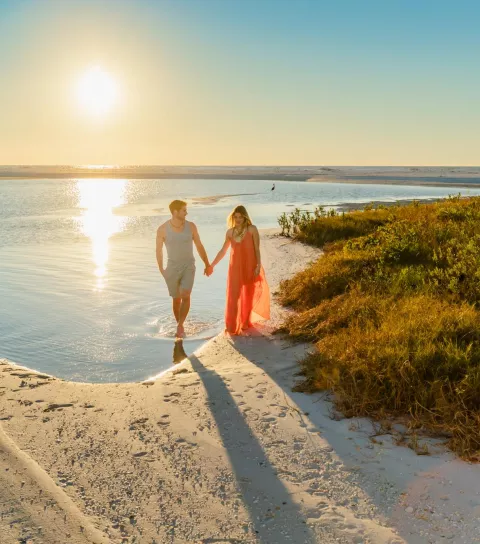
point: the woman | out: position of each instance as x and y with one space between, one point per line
248 296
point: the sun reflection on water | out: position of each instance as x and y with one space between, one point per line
98 198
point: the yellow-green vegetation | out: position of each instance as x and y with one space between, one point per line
393 306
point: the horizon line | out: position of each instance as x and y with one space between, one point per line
151 165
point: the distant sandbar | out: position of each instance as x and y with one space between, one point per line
428 176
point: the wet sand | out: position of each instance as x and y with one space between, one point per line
213 199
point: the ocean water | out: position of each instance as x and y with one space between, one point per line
80 293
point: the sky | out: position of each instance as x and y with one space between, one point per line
240 82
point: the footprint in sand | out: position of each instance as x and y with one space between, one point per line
54 406
351 526
139 421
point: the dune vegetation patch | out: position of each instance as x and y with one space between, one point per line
393 309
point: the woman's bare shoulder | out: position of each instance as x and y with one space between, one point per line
229 233
252 228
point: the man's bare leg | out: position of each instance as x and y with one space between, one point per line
176 307
184 309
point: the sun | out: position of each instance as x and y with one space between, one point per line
97 91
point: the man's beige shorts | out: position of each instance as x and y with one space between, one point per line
179 278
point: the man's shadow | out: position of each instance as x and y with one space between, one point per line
178 352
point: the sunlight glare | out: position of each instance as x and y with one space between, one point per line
97 91
98 198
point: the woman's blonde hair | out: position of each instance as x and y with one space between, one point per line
243 212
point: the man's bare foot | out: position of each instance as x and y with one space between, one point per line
180 331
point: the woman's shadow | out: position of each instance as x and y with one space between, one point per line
275 517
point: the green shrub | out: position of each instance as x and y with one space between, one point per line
392 309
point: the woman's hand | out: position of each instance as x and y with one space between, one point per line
256 272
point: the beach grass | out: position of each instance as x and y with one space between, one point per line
393 309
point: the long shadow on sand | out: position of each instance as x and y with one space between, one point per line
275 517
378 464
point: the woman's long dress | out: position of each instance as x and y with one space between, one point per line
248 297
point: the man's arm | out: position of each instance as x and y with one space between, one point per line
160 242
199 245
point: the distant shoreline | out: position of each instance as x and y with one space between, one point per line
461 177
383 180
157 175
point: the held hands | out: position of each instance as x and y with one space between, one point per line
208 270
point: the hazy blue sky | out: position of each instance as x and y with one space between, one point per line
241 82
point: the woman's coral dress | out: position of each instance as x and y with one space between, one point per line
248 297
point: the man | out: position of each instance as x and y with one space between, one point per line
178 235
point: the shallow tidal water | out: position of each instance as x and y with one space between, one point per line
81 295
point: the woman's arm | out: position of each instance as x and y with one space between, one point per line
256 245
222 252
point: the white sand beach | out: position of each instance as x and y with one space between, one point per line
218 449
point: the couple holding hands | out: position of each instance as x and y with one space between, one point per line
247 293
